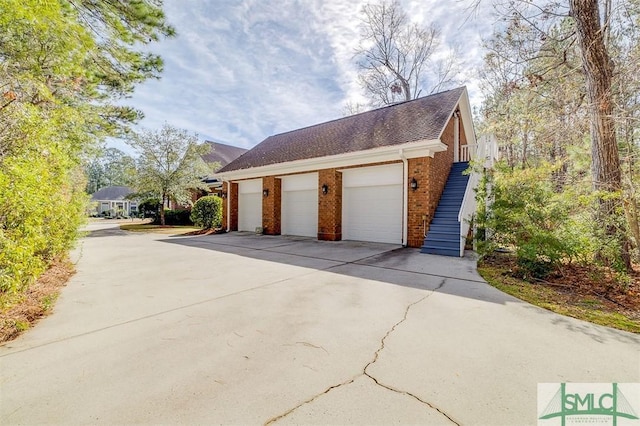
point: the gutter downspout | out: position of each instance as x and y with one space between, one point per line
405 195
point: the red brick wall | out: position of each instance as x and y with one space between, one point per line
418 200
430 173
330 205
232 197
271 219
225 200
441 165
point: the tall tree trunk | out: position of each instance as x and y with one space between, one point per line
161 211
605 160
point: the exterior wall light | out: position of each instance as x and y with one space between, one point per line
325 189
414 184
223 194
265 192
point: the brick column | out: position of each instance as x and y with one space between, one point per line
330 205
232 198
225 201
418 200
271 220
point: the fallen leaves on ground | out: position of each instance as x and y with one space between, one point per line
575 290
23 310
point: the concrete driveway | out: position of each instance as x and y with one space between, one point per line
245 329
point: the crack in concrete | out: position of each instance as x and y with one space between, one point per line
310 400
417 398
392 329
382 346
370 376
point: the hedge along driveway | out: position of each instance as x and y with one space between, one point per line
239 328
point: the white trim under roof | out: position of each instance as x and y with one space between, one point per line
422 148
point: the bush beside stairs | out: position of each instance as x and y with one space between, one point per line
443 237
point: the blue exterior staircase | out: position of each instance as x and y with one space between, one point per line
443 237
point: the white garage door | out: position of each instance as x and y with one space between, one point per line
300 205
372 204
249 205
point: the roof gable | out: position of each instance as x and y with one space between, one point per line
111 193
417 120
222 153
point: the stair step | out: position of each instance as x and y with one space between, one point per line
442 251
450 217
454 244
444 230
443 218
444 233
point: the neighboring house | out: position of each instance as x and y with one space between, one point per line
376 176
110 201
222 154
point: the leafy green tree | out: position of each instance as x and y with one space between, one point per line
112 167
63 66
552 95
170 165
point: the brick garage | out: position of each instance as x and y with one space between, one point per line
421 136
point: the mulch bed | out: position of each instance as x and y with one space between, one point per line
576 283
206 232
36 302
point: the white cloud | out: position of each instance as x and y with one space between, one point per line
240 71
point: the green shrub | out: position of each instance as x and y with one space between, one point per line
177 217
149 208
530 217
42 205
207 212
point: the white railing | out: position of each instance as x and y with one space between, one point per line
486 148
468 152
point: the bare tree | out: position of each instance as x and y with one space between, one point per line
396 58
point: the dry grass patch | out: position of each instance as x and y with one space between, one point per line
20 311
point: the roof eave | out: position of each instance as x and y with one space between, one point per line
421 148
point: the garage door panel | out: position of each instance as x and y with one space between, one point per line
249 205
370 176
373 214
372 204
299 205
300 213
249 212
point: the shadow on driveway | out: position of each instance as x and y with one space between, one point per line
106 232
386 263
372 261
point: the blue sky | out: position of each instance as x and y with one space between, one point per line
241 70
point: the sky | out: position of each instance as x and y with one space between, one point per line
242 70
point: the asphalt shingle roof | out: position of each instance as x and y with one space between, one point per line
112 193
419 119
222 153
